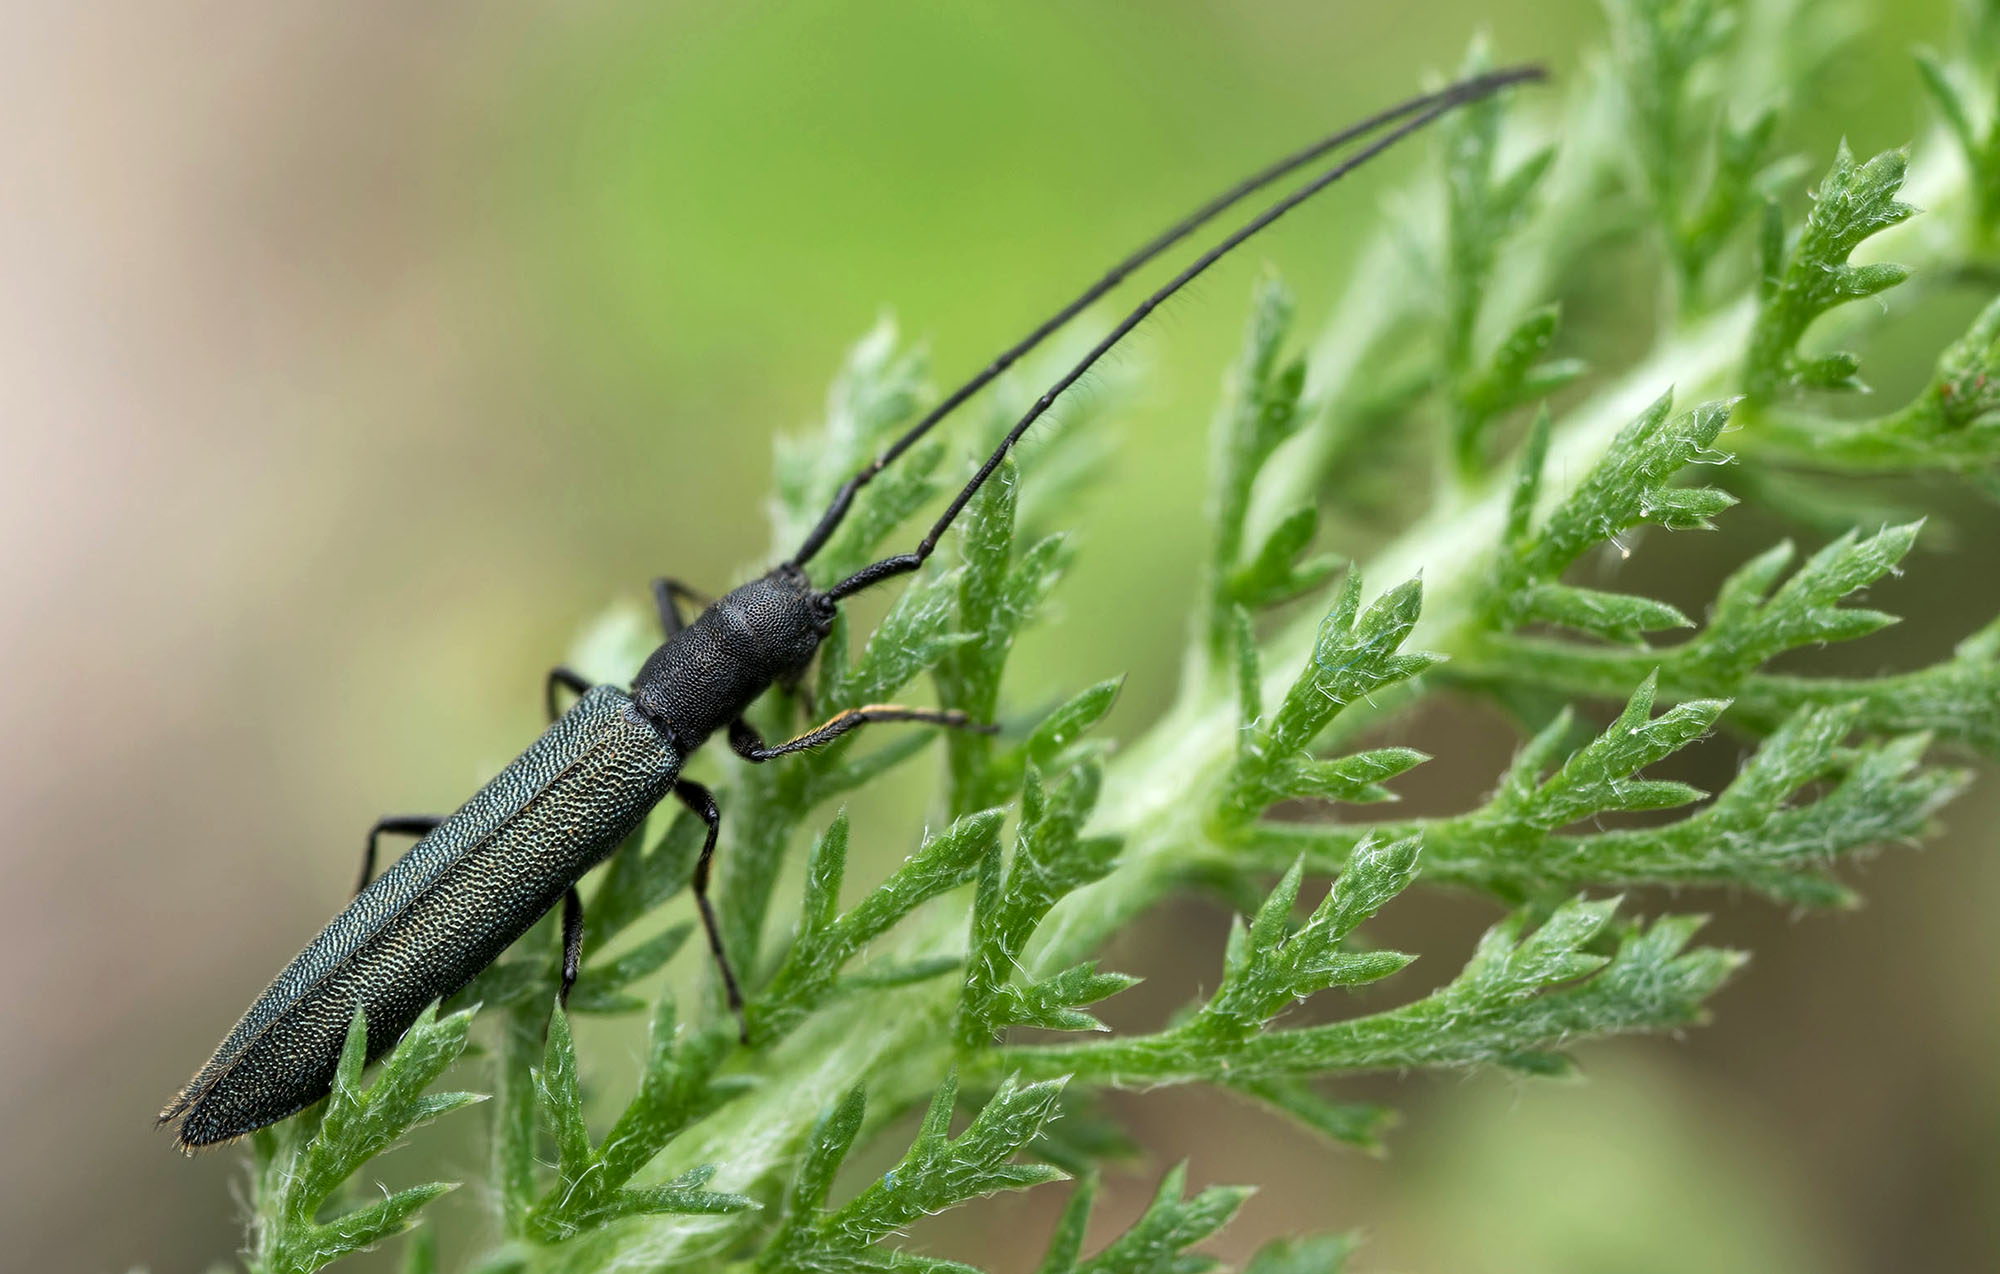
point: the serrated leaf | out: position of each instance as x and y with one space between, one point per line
652 865
1066 1244
915 634
825 1147
1853 202
676 1087
1483 208
997 596
1619 617
362 1228
682 1197
1063 727
1952 425
1357 653
295 1180
939 1170
1159 1239
1274 574
1262 407
1355 778
1803 610
1267 968
1053 1003
1521 992
827 939
1051 858
1627 487
1358 1124
1517 373
562 1102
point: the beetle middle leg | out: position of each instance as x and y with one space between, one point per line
702 802
749 745
395 824
563 677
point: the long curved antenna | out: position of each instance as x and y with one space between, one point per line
1463 91
1441 104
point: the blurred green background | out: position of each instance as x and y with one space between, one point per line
352 358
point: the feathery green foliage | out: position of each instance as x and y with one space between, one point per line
1483 210
980 958
940 1170
302 1163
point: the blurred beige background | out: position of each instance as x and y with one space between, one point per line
352 357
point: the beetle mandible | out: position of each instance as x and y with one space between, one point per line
480 878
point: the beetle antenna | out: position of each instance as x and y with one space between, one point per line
1463 91
1430 109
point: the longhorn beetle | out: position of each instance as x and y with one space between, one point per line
480 878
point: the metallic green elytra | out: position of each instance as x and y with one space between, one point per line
442 913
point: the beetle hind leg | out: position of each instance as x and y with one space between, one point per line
572 938
702 802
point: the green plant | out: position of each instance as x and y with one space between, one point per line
913 994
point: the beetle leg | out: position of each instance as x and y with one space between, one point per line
562 675
745 742
750 747
668 594
702 802
572 922
398 824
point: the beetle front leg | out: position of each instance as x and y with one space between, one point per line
749 745
745 742
702 802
